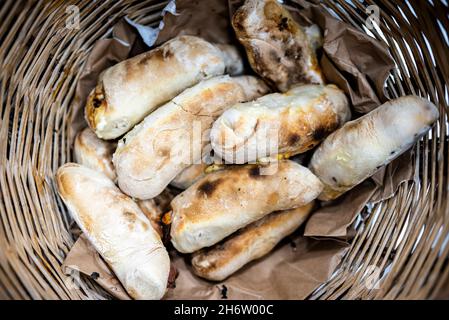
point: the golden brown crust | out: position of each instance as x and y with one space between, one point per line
361 147
301 130
227 200
294 122
117 228
131 89
247 244
151 155
95 153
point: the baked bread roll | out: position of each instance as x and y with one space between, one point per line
278 48
361 147
131 89
286 124
118 230
250 243
189 176
171 138
224 201
94 153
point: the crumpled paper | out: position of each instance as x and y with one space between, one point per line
354 61
324 222
335 220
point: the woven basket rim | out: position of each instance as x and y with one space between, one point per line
404 237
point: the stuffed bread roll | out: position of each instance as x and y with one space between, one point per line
224 201
361 147
250 243
278 48
94 153
118 230
174 136
155 208
131 89
189 176
288 123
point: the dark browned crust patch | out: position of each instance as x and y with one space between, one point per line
322 132
283 24
96 103
254 172
208 187
293 139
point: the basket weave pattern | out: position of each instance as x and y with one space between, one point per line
40 58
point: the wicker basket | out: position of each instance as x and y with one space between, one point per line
405 236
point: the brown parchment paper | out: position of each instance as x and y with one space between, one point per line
352 60
85 259
335 220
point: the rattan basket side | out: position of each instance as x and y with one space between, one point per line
404 238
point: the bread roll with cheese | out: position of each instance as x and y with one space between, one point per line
287 124
361 147
278 48
224 201
94 153
131 89
117 229
155 208
174 136
250 243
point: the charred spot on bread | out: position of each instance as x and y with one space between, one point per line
322 132
96 103
293 52
254 172
283 24
293 139
208 187
167 53
274 56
